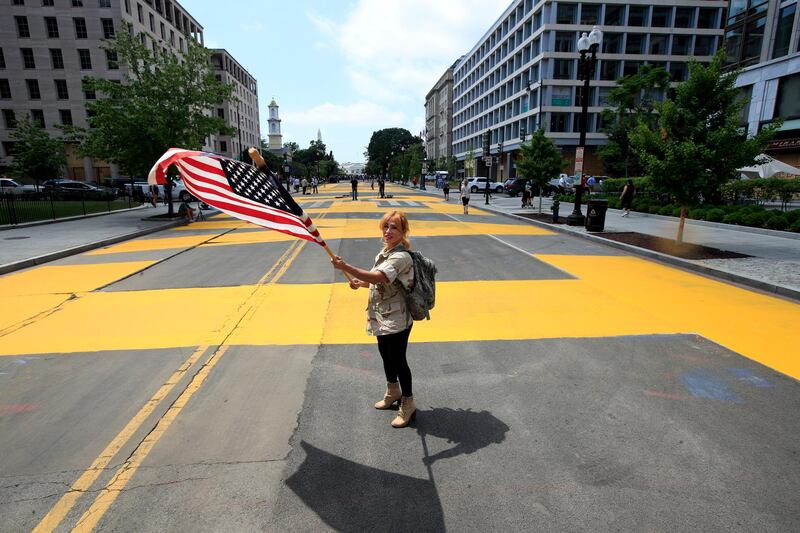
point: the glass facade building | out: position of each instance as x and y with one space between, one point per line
524 70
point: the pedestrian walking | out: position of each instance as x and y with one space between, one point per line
381 186
388 317
372 183
526 195
314 185
446 190
626 198
465 196
354 187
304 185
154 195
414 182
296 183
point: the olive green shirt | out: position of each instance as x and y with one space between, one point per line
386 307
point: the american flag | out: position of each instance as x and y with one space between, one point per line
239 189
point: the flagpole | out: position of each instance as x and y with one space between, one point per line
261 165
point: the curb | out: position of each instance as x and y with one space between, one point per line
46 258
764 286
67 219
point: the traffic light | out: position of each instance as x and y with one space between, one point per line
523 132
487 137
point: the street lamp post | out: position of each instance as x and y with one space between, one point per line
500 160
487 159
587 46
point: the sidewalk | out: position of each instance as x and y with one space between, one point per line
23 247
774 265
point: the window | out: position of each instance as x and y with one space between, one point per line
5 90
559 122
47 3
564 41
18 3
784 31
223 146
8 147
614 15
684 17
704 45
77 3
637 15
111 60
681 45
658 44
2 59
609 70
754 36
744 97
788 105
61 89
707 18
634 43
590 13
108 28
612 43
565 14
9 118
37 117
104 3
152 23
89 95
22 27
128 7
631 67
163 31
80 28
662 17
733 44
33 89
28 60
56 59
140 13
562 69
66 117
51 23
220 112
677 71
85 59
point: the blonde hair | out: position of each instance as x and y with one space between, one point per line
403 226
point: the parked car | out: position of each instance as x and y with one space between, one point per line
77 190
179 191
514 186
9 186
479 184
555 183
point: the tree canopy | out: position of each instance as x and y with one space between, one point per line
37 155
162 102
541 160
698 142
633 101
385 144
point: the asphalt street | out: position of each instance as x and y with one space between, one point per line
217 377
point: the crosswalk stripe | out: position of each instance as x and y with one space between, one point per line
394 202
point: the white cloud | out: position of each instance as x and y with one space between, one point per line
362 113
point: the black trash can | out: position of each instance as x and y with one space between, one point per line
596 214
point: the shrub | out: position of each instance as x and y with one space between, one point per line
715 215
795 226
734 218
676 212
653 209
756 219
697 213
793 216
614 203
666 210
779 222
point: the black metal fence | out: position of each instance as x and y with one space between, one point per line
31 207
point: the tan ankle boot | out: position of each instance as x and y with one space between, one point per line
407 412
391 395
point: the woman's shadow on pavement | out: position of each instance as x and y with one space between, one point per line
469 430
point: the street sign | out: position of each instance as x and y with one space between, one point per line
579 160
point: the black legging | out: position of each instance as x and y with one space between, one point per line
393 352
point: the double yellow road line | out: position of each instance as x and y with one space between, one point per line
108 494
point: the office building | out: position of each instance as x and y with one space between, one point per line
240 113
763 38
536 42
439 117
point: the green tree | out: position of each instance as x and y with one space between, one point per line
162 102
385 144
469 163
291 146
37 155
452 167
633 101
698 143
541 160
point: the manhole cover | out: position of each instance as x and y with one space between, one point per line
16 238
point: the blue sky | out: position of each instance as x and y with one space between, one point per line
345 68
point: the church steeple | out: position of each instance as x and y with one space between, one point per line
274 122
